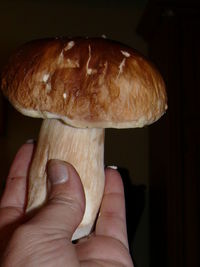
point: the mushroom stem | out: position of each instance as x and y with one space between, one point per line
84 149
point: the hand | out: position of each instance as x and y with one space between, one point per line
45 239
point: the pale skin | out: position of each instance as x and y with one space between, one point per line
45 239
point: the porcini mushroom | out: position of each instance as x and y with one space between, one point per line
79 87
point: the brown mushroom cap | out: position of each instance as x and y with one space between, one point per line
84 82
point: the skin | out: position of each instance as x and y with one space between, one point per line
44 239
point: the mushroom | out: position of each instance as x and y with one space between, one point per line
80 87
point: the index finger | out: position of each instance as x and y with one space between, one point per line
13 199
112 217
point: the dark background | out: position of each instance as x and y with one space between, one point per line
173 43
159 164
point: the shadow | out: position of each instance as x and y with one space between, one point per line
135 204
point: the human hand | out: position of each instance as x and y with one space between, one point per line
45 239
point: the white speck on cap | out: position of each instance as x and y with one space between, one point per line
121 66
69 45
125 53
91 71
64 95
45 78
104 36
88 70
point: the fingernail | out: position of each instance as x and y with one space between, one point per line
30 141
57 171
113 167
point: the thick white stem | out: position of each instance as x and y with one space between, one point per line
84 149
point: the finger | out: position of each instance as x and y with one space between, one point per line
66 204
13 199
112 218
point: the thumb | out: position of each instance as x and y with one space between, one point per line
66 202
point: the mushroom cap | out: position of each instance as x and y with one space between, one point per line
85 82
